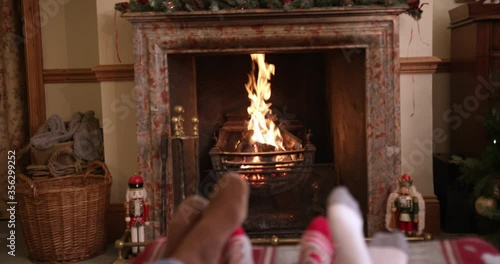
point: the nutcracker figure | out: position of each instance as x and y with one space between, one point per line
136 210
406 208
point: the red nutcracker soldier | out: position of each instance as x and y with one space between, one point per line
136 210
406 208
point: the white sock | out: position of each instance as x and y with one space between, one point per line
346 225
389 248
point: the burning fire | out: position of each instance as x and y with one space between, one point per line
261 123
265 133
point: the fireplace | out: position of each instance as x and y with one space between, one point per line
340 80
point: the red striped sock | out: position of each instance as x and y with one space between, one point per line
316 244
238 249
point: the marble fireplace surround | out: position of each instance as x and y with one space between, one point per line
165 79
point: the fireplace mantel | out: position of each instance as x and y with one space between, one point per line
165 79
262 14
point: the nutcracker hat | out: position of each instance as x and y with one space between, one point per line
135 182
405 181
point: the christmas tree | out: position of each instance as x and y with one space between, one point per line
483 173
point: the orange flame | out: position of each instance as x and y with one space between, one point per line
259 91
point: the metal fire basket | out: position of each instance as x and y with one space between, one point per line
267 173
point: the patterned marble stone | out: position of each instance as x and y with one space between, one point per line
376 29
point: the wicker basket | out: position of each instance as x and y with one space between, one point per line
42 156
63 218
61 162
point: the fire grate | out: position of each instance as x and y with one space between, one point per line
267 172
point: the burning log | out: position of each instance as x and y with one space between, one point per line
290 141
263 147
245 144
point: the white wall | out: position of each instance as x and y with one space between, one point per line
64 99
423 134
118 108
81 34
53 28
69 34
441 45
416 102
69 40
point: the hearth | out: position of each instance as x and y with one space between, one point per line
354 51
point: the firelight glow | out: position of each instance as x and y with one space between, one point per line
259 91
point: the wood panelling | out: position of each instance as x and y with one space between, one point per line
113 72
69 75
100 73
115 221
125 72
495 42
432 215
347 119
413 65
34 64
473 68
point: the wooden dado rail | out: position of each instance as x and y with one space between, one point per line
125 72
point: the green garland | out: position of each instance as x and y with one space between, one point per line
414 7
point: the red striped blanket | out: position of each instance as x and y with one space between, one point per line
457 251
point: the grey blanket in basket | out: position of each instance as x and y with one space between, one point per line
81 129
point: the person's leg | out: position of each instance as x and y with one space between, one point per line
188 213
226 211
346 225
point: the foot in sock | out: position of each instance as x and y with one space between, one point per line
226 211
389 248
188 213
346 225
238 249
316 246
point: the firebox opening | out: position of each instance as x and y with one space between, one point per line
298 93
323 90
